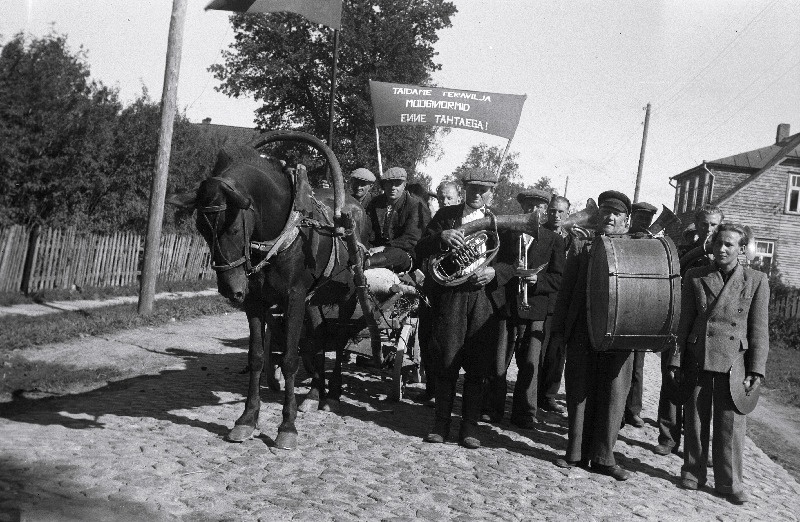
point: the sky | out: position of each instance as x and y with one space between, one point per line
720 75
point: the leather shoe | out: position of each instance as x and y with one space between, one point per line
434 438
495 419
550 404
634 420
738 498
663 449
692 484
470 443
616 471
525 424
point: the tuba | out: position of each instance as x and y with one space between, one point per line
582 224
665 219
481 244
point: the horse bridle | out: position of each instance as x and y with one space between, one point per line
229 265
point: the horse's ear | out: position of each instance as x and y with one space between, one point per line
235 197
185 200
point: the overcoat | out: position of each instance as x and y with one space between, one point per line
721 321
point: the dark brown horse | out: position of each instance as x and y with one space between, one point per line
267 250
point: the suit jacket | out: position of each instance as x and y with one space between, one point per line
549 249
721 321
447 218
407 221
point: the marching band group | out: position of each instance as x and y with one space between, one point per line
530 303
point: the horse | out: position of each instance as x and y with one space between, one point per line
268 248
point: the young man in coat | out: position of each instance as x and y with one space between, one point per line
724 323
464 324
597 383
397 219
522 329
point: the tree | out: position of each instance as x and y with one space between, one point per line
55 126
285 61
510 180
71 154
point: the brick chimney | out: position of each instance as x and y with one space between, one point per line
783 133
206 121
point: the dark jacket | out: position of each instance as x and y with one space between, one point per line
541 296
570 310
719 321
447 218
406 225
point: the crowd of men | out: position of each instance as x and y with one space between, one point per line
530 304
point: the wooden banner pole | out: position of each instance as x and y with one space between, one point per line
380 161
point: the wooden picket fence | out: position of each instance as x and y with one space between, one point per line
787 305
62 258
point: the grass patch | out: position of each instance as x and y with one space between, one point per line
22 331
100 292
783 372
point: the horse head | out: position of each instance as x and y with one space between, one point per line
226 220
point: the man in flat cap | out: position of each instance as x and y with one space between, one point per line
597 383
642 214
361 181
396 219
522 327
464 324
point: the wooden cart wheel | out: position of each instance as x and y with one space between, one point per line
399 357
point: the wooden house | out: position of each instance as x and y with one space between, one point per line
759 188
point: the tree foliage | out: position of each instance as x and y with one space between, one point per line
510 181
284 61
70 153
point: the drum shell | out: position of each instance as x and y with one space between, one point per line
633 294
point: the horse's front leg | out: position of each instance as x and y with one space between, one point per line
295 312
312 352
332 400
246 425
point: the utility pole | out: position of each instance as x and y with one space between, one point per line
566 184
641 154
169 98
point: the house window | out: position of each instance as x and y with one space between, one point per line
765 250
793 194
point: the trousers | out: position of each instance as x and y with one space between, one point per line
670 414
597 387
551 366
633 406
712 392
521 339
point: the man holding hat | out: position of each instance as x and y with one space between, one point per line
361 181
641 217
464 326
396 219
522 329
597 383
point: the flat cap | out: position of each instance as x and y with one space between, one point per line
363 174
616 200
643 207
478 176
534 194
395 173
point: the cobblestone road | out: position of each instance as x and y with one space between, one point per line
152 448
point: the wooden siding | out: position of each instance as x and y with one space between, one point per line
761 205
725 180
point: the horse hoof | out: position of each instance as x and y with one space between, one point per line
241 433
308 405
331 405
286 440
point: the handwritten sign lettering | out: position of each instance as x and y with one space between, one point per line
492 113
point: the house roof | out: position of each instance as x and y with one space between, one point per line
756 159
789 148
231 134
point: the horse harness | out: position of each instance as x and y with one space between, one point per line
272 247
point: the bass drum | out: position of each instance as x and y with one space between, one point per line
634 294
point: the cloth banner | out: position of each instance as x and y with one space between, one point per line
488 112
325 12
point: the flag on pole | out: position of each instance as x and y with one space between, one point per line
488 112
325 12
